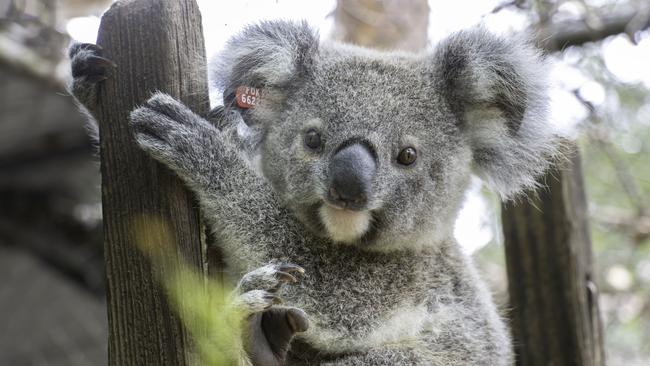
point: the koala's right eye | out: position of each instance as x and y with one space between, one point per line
312 139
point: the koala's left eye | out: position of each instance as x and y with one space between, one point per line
407 156
312 139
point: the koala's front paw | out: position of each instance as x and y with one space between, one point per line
269 277
173 134
269 334
89 67
269 328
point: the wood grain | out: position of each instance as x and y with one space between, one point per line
157 45
553 299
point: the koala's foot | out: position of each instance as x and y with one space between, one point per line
89 67
174 135
269 328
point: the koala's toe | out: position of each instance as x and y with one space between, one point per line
270 277
297 320
291 268
88 63
269 334
173 109
146 121
285 277
158 135
256 301
164 103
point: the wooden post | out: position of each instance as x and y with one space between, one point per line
157 45
553 299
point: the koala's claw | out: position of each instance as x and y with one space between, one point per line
88 62
269 277
100 62
270 328
89 67
256 291
285 277
288 267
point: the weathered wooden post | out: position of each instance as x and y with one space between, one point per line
553 299
157 45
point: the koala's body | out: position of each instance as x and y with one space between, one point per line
365 157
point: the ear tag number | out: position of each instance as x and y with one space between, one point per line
247 97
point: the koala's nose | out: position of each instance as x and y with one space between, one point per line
351 172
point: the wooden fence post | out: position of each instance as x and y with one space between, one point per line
553 297
157 45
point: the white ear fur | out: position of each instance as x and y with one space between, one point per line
497 89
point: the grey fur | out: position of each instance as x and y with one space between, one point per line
403 293
88 69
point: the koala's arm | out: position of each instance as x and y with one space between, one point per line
237 202
89 68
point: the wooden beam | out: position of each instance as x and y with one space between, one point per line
561 35
157 45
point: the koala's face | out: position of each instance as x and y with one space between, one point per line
362 155
376 148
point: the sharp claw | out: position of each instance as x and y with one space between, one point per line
101 61
291 268
96 78
285 277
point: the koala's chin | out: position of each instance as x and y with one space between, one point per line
345 226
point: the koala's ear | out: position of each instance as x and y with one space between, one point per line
271 55
496 89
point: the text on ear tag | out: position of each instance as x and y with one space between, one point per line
246 96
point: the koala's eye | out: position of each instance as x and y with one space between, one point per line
407 156
312 139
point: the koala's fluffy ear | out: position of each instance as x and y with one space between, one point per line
497 90
271 55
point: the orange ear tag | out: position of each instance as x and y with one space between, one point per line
247 97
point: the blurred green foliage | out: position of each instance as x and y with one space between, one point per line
204 305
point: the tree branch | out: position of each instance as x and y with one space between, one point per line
560 35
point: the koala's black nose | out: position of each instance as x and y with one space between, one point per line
351 172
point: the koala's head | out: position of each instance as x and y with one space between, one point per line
376 148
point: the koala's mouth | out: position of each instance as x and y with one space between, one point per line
343 225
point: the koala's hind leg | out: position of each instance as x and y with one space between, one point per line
89 68
269 329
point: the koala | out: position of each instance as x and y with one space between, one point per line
338 191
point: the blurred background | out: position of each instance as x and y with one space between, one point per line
52 306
